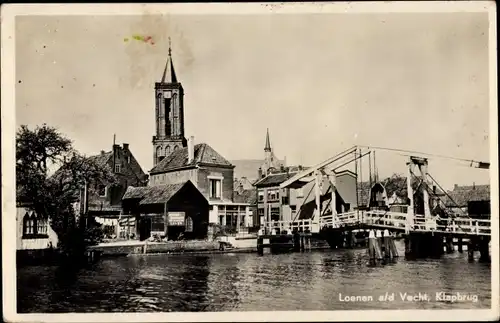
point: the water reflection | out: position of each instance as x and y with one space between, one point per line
247 282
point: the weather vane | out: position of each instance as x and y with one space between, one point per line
169 47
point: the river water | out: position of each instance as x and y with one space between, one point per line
315 280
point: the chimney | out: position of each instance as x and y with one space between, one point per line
102 152
456 186
190 150
434 189
260 172
125 147
473 185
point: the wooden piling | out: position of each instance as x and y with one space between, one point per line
484 249
449 244
296 241
374 250
470 249
260 246
460 245
392 247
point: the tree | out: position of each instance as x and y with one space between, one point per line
55 196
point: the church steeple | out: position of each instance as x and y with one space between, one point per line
169 113
268 142
169 71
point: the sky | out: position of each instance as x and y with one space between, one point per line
321 83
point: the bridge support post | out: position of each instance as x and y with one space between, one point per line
471 247
423 245
260 246
317 193
409 216
484 249
460 245
296 241
449 244
333 202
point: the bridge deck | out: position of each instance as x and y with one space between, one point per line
393 221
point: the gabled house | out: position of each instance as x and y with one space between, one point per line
299 202
211 174
105 200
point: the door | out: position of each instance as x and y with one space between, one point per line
145 229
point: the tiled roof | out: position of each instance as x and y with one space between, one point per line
462 195
242 183
101 159
274 179
203 154
246 196
152 194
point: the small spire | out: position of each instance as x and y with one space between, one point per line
268 142
169 76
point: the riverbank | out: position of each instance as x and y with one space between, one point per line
226 245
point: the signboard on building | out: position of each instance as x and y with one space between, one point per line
176 218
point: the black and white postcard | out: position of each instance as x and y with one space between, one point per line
230 162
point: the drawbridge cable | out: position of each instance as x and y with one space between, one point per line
428 154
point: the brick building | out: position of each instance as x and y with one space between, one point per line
169 114
105 200
178 161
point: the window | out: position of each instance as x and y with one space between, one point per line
189 224
128 159
28 224
117 168
215 188
261 196
41 225
34 226
101 190
275 214
273 195
221 219
300 192
167 150
284 200
261 212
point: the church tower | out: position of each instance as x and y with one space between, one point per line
270 161
169 113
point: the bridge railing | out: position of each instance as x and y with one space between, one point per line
290 226
384 219
466 226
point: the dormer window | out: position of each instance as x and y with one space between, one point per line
117 168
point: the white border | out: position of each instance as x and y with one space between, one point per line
9 12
